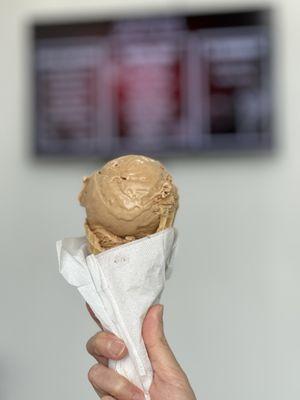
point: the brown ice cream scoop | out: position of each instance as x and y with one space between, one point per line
130 197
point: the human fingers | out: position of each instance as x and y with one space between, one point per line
104 379
159 351
106 345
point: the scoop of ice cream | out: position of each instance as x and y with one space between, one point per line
130 197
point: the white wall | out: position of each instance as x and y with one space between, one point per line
232 306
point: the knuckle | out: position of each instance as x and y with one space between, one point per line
101 393
163 343
93 374
88 345
98 345
95 344
121 386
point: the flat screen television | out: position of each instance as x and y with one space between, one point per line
157 85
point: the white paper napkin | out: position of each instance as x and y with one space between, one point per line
120 285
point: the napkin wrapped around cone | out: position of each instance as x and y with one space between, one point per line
120 285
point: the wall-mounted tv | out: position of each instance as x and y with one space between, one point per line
161 85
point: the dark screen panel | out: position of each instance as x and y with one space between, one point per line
153 85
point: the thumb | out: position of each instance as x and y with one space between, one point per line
159 351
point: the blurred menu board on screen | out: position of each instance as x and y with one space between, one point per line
154 85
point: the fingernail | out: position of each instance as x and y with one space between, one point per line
138 396
116 347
